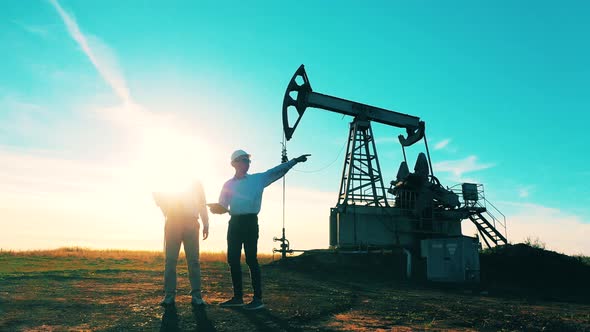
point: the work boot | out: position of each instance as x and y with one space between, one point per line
197 301
167 303
255 304
233 302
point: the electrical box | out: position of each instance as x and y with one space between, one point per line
469 191
454 259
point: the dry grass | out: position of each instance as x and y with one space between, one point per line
117 254
74 289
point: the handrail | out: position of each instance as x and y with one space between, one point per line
498 219
501 222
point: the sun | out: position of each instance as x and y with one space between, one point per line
170 160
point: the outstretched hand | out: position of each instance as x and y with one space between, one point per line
302 158
216 208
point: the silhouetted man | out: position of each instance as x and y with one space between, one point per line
182 211
241 196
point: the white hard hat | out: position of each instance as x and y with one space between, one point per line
239 153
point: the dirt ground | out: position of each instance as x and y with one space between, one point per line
81 292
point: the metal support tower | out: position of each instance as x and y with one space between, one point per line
362 183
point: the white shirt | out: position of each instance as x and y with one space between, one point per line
244 196
184 205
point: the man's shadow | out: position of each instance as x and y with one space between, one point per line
265 321
204 324
170 320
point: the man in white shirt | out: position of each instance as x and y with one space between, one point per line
182 211
241 196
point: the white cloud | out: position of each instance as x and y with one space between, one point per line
84 202
560 231
101 205
52 202
44 125
460 167
133 118
308 227
22 118
538 209
13 103
525 191
43 174
99 54
39 30
442 144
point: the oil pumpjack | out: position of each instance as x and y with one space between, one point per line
415 212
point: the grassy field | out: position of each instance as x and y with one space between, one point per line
85 290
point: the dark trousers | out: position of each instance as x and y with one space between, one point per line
243 229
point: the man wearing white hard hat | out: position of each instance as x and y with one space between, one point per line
241 196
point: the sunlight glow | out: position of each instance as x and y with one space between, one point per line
169 159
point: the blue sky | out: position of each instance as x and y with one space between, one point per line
86 88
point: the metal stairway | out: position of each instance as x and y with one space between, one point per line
490 222
488 230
